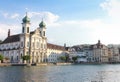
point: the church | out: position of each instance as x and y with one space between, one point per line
33 43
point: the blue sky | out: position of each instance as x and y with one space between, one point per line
68 21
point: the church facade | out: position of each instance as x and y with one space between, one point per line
32 43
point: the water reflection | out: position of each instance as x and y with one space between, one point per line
73 73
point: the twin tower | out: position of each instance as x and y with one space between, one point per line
26 26
35 42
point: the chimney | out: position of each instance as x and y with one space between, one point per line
8 32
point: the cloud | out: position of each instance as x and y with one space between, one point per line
112 7
48 17
16 15
106 29
5 15
15 29
77 31
10 16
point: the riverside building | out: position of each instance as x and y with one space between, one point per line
91 53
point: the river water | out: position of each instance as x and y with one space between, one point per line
70 73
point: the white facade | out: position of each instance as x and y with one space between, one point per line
54 52
30 43
81 57
27 43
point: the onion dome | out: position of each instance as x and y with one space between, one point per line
42 24
26 19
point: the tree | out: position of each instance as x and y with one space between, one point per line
63 58
67 57
26 57
74 58
1 57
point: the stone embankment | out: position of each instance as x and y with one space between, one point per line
63 63
47 64
5 64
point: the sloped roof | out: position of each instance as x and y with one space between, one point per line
53 46
13 38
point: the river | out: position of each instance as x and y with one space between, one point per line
70 73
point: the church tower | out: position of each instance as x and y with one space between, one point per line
25 36
42 27
25 24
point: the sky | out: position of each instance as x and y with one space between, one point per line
72 22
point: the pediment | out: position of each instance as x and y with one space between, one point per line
37 31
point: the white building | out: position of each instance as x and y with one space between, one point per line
32 43
54 52
81 57
76 51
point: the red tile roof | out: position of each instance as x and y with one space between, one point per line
13 38
53 46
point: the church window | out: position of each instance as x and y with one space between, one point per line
22 29
21 44
41 45
37 45
17 58
37 53
27 29
27 53
21 55
45 46
44 33
27 44
32 53
11 58
33 44
40 33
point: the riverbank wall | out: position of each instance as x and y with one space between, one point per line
50 64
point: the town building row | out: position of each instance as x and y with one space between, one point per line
98 53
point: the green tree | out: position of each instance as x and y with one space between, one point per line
1 57
67 57
63 58
26 57
74 58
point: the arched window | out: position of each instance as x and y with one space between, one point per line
21 55
44 33
27 29
17 57
40 33
22 29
